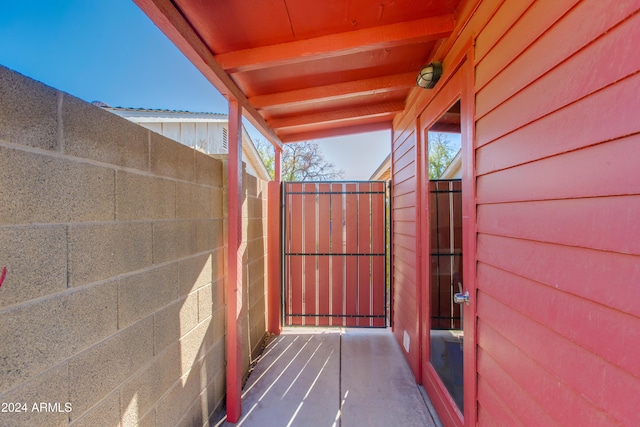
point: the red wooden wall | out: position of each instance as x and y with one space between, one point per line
557 157
404 245
558 193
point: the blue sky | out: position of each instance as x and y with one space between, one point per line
109 51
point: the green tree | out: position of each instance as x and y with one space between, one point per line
441 152
301 161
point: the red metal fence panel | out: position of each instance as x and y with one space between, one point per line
334 254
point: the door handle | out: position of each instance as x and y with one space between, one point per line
460 298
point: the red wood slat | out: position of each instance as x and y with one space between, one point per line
324 225
614 162
610 221
404 160
377 222
498 25
519 399
587 324
310 267
295 276
404 215
528 28
405 174
562 403
405 200
615 395
582 272
575 126
364 262
351 223
337 262
379 283
496 408
593 17
554 90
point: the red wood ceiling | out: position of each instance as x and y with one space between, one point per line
312 69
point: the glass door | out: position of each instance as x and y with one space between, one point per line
445 278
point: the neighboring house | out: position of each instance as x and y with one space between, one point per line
206 132
383 173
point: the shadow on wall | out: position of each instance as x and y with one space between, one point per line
113 308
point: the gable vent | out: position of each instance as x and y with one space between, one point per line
225 139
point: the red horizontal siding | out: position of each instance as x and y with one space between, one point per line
518 399
576 126
579 369
527 29
601 170
563 404
558 195
494 411
553 48
582 272
553 91
565 221
586 324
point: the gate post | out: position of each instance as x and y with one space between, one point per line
234 265
274 234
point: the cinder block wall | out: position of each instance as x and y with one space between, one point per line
254 221
112 311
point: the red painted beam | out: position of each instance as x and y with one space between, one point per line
170 21
336 91
385 124
338 116
273 259
333 45
274 231
234 265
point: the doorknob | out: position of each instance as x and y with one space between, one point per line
460 298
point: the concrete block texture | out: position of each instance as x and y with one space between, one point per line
28 111
93 133
141 294
96 372
173 240
209 234
105 413
175 321
208 170
36 261
43 334
142 392
195 272
38 188
50 387
100 251
171 159
193 201
144 197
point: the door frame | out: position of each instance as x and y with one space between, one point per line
458 85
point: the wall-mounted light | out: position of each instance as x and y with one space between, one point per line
429 75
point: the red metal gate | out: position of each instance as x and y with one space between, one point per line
334 254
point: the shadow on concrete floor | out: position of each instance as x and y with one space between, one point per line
341 377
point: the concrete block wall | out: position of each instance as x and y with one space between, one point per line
112 311
254 221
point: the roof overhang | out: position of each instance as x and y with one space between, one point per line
307 70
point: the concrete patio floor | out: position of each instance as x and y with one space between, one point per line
341 377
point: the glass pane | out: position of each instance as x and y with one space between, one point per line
445 246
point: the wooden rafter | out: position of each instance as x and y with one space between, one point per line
334 91
165 15
335 116
383 123
333 45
